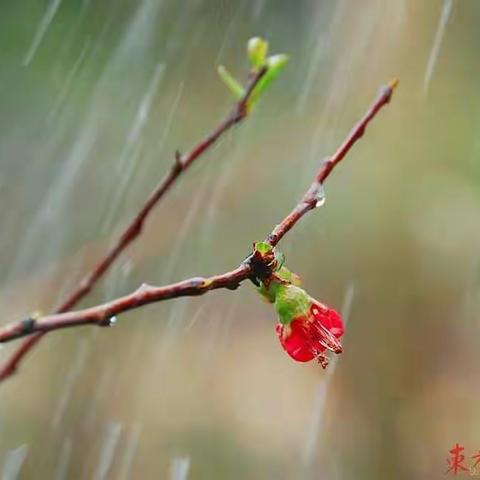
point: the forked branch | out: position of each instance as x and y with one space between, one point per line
103 314
132 231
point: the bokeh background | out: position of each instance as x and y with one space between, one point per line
96 95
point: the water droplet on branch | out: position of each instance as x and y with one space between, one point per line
320 196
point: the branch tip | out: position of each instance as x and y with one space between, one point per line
393 83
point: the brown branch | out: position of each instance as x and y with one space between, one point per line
133 230
103 314
311 197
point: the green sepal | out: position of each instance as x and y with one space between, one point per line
231 83
285 276
262 247
270 255
291 302
288 276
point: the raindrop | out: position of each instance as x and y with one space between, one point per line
64 460
320 196
437 43
179 468
317 419
110 441
112 321
130 450
127 268
347 302
70 77
13 462
42 30
73 373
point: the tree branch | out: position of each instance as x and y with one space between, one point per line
104 314
313 194
134 228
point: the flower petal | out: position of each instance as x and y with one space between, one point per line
294 341
329 318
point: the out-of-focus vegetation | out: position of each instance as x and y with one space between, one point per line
95 96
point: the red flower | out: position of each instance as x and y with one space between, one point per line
307 336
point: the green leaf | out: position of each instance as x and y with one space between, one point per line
275 64
230 82
257 49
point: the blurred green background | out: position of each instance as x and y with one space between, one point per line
96 95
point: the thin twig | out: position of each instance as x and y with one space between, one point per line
104 314
133 230
310 199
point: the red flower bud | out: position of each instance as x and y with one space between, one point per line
308 335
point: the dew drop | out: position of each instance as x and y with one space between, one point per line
320 196
112 321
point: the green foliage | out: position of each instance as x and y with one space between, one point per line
257 49
274 64
231 83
